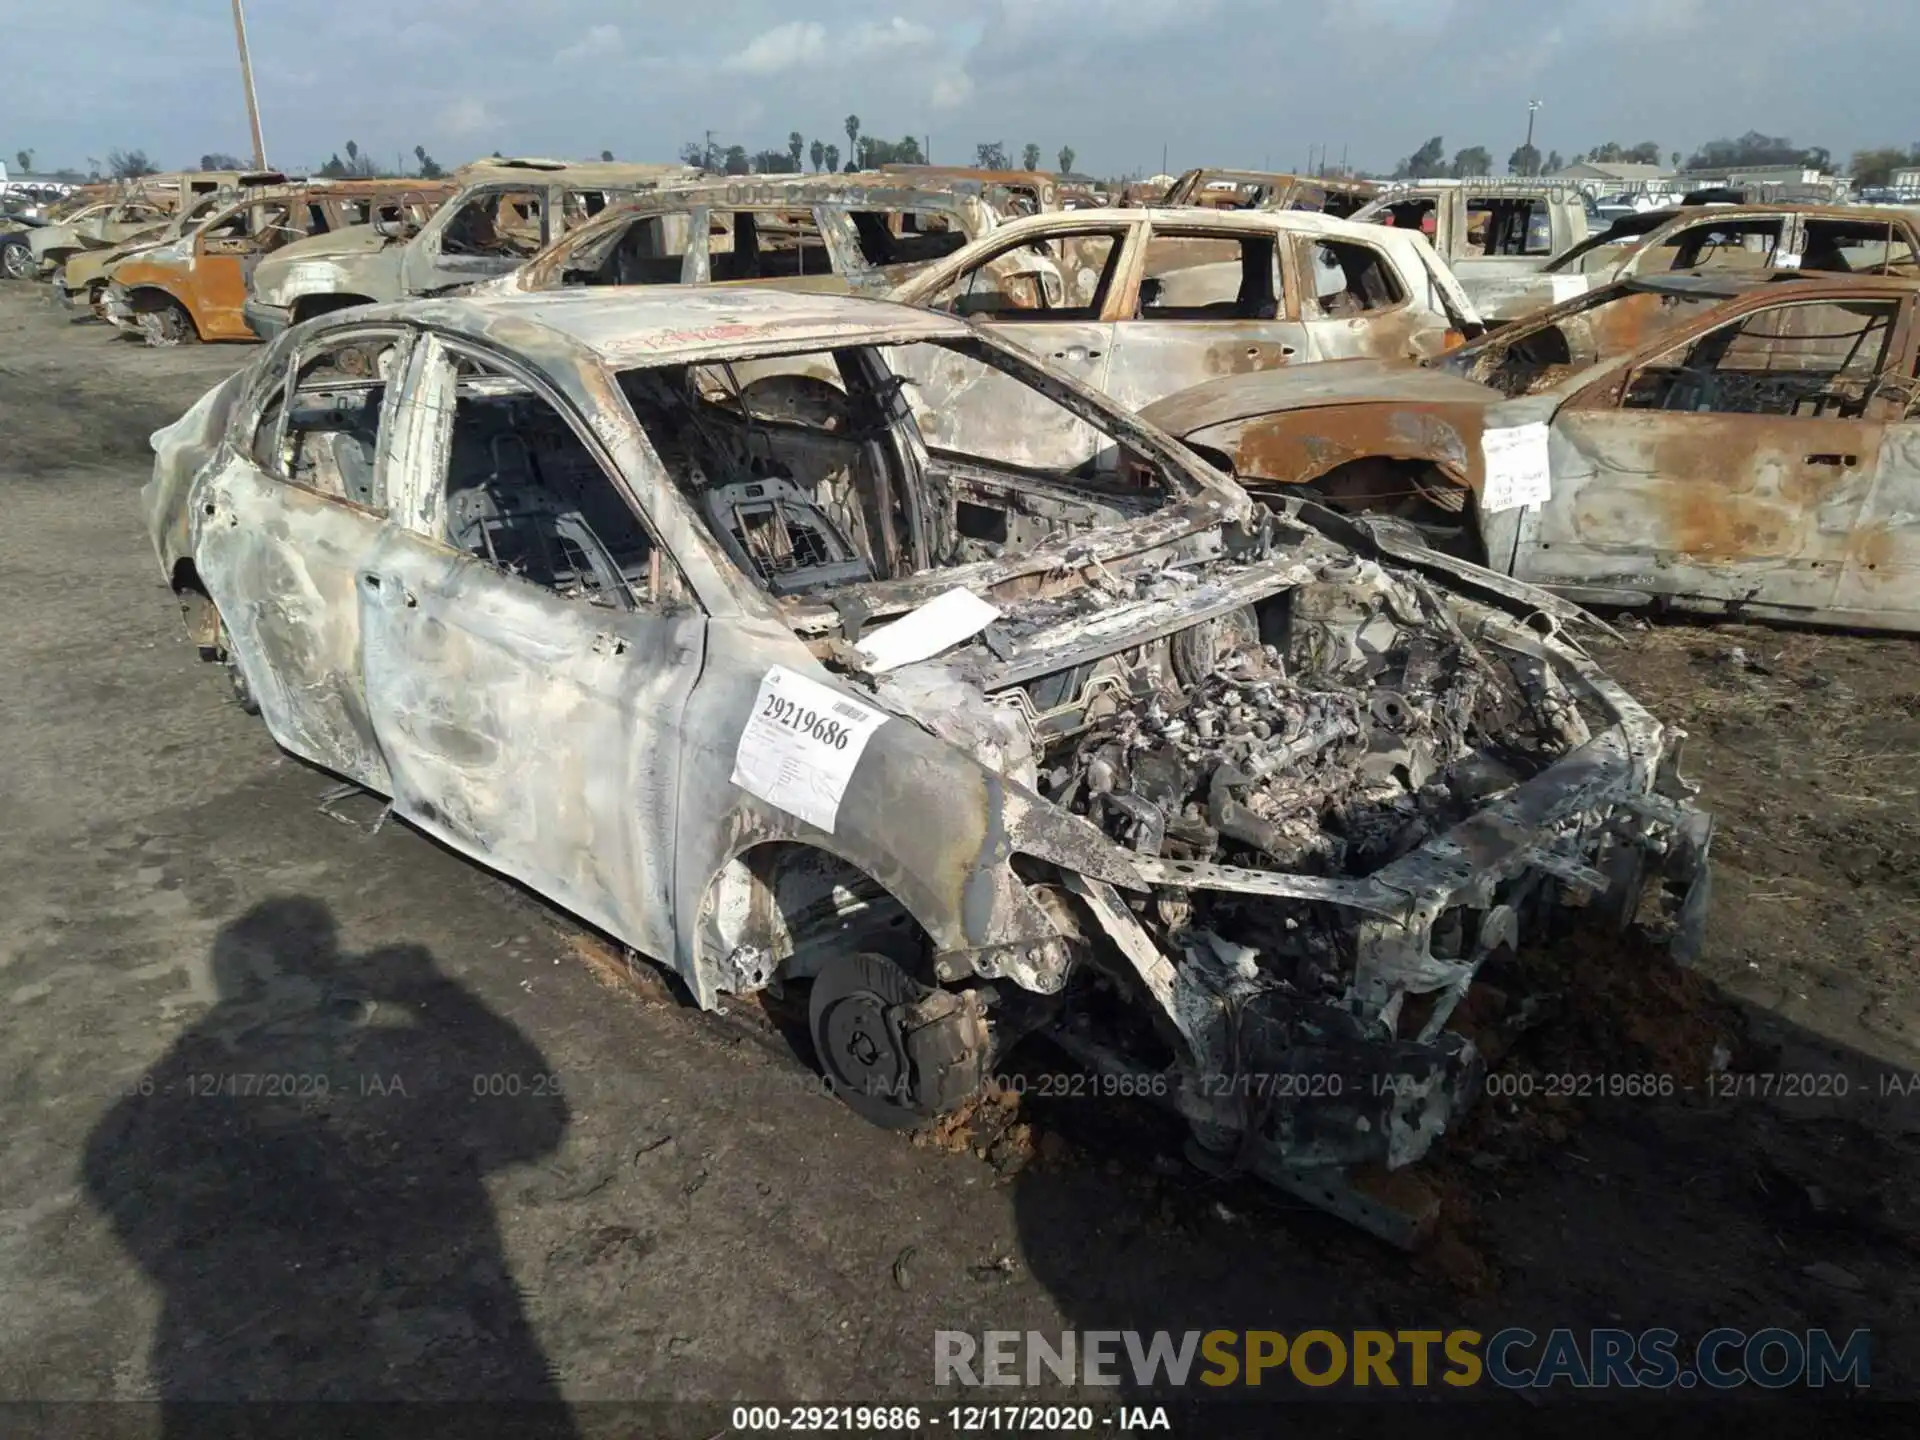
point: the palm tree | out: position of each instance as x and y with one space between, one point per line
853 141
818 154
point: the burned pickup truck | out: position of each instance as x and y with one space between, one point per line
1225 805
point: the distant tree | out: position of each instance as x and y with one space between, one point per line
1474 160
1030 156
817 153
1876 167
1066 159
358 165
1754 149
429 167
24 159
852 124
606 155
335 168
796 147
735 161
1525 160
1429 159
220 160
694 153
991 156
773 162
129 164
1675 159
1554 162
831 160
876 152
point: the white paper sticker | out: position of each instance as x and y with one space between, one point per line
940 624
1566 287
1516 468
801 744
1788 261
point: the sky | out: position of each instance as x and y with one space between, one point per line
1235 83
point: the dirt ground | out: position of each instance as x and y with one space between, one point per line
532 1175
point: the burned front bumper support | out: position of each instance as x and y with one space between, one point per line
1302 1091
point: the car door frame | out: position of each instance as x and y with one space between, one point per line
603 849
290 621
424 267
1834 511
1209 343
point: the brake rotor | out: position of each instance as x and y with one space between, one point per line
856 1033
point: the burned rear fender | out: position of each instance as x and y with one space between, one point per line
180 451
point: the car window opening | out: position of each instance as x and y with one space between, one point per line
525 494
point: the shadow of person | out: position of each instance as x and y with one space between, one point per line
301 1175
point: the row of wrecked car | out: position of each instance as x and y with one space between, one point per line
1213 570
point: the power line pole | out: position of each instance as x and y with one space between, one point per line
1533 160
246 78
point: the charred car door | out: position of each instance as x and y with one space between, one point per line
1050 294
487 231
528 650
1204 302
1730 467
281 529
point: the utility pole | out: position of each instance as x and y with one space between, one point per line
246 78
1532 159
1163 157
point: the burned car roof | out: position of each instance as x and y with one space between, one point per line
668 326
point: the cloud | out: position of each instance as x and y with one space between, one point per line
791 46
465 117
599 43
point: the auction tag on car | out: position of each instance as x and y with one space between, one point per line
1516 466
801 744
1565 287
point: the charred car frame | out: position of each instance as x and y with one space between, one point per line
606 591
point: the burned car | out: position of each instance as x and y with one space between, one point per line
1711 443
1738 239
1223 802
194 286
1141 304
507 211
800 234
1269 190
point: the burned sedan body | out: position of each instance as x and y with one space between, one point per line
610 591
1705 442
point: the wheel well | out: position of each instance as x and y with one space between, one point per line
196 606
151 299
1417 491
308 306
780 907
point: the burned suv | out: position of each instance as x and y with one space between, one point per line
611 591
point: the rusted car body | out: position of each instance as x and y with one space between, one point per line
195 286
803 234
137 209
82 280
1712 443
1140 304
505 214
1225 806
1264 190
1495 235
1738 239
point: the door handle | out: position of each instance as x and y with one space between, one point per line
1829 457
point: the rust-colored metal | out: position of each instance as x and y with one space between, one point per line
205 274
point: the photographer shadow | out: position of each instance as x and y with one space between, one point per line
302 1175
